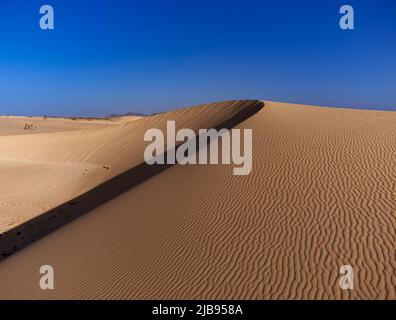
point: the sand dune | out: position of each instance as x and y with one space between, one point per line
47 169
322 194
12 125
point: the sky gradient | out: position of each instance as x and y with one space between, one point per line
114 56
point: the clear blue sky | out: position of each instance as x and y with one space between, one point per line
113 56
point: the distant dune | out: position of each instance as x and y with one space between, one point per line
322 194
13 125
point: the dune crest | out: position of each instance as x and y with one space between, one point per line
53 178
321 195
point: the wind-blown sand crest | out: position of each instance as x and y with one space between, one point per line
321 195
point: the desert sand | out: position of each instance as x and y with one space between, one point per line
321 194
14 125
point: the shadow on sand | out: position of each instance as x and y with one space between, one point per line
36 228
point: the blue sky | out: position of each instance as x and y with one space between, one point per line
114 56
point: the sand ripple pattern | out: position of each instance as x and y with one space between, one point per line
321 194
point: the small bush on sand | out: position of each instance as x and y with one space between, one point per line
28 126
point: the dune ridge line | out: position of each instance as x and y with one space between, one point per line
25 233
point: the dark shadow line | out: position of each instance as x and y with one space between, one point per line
40 226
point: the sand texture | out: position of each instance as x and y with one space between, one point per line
322 194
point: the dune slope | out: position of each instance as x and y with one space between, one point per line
49 179
321 195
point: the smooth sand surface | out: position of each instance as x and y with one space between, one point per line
14 125
321 194
31 183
